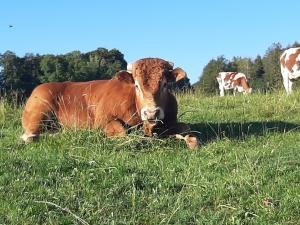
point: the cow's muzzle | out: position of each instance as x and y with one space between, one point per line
155 113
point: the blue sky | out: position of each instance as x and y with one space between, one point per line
186 32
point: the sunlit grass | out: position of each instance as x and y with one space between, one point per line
245 172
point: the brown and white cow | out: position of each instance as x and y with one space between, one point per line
290 67
233 80
132 97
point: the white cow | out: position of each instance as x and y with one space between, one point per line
233 80
290 67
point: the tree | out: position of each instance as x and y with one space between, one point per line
243 65
48 68
271 65
257 74
208 82
24 73
9 73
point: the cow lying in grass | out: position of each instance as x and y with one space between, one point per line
136 96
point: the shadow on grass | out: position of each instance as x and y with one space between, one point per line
208 132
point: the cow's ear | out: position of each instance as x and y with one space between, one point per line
176 75
124 76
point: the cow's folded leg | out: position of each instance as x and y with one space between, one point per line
114 128
191 141
181 131
172 129
32 123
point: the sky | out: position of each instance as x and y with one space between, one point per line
188 33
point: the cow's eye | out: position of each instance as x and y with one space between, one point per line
136 87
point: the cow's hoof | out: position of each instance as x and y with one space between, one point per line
191 141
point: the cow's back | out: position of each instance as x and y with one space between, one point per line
290 59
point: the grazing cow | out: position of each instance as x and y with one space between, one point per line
233 80
136 96
290 67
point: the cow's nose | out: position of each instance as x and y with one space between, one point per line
152 114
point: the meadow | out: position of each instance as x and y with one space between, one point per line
246 171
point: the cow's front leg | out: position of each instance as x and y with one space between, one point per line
234 91
165 129
177 130
181 131
114 128
222 92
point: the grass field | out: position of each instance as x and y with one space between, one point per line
247 170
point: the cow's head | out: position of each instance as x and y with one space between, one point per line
246 87
150 77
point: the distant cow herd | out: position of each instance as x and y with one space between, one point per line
290 71
137 96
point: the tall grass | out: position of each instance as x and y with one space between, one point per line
245 172
2 110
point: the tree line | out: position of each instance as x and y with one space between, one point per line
21 74
263 72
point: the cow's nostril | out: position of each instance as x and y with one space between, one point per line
156 113
152 114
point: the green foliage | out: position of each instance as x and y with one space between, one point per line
3 110
243 65
246 171
207 82
271 64
24 73
257 74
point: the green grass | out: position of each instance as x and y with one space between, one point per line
250 153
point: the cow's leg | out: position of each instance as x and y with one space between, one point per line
234 91
290 84
114 128
287 83
181 131
175 130
179 128
222 91
31 122
164 130
33 115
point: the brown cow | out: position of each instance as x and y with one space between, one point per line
132 97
